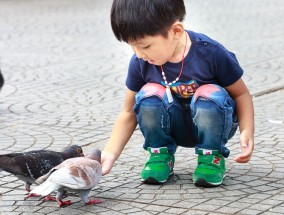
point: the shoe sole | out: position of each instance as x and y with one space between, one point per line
152 180
203 183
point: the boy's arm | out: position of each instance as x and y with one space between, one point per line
123 128
245 111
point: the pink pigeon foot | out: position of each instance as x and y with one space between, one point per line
64 203
93 202
49 198
31 195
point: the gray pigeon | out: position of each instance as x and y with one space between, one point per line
1 80
28 166
78 175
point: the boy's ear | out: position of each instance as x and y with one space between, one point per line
177 30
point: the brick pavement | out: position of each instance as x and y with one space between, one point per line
65 75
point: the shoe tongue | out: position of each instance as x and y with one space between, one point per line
207 152
162 150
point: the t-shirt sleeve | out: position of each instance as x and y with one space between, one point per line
227 68
134 79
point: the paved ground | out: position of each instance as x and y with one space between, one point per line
65 76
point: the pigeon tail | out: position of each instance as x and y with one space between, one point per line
45 188
43 178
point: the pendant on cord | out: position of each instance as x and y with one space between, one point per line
168 90
169 94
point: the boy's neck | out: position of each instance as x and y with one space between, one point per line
178 54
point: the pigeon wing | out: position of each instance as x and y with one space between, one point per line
57 178
63 178
84 173
38 164
30 164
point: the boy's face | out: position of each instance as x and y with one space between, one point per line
156 50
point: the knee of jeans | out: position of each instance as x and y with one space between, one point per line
151 113
150 90
205 112
153 118
211 92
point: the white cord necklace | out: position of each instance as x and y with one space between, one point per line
168 90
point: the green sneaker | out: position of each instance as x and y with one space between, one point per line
158 167
210 170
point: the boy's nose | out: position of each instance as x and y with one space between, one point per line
142 55
139 53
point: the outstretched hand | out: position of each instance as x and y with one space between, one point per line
107 160
247 146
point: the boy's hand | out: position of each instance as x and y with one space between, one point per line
107 160
247 146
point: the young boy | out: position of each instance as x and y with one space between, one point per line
184 89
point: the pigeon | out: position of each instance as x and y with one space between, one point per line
78 175
28 166
1 80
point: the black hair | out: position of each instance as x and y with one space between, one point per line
134 19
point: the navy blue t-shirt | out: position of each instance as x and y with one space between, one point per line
207 62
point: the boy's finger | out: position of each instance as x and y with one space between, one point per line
243 157
105 171
239 160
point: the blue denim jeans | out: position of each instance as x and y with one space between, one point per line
208 121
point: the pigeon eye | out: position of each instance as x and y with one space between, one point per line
79 150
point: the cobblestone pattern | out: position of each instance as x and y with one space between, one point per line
65 76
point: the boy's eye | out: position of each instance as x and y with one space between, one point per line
145 47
